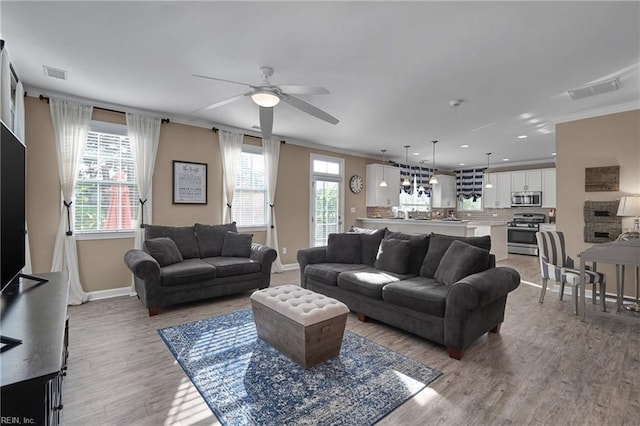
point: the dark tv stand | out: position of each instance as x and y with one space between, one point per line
32 372
33 278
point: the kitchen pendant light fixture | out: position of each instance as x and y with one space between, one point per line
434 180
421 187
406 182
489 185
383 183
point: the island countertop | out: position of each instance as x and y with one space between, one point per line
459 228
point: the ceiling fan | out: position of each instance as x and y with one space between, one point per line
266 96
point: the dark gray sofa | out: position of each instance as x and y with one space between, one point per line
183 264
445 289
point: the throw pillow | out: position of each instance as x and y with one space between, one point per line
164 250
370 243
344 248
236 245
393 256
183 236
459 261
211 238
438 245
418 248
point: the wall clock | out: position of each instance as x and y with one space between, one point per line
356 184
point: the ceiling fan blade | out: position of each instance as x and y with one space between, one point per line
266 121
220 79
303 90
309 109
223 102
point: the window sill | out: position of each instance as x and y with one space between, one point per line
256 228
104 235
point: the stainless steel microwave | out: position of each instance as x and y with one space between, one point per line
526 199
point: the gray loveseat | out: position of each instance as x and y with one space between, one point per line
445 289
183 264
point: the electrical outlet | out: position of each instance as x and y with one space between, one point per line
353 209
468 214
495 215
284 250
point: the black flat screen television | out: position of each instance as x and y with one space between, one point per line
12 205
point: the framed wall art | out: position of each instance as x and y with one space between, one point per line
189 182
602 179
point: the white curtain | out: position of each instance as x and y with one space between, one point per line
5 88
230 150
144 134
71 126
271 153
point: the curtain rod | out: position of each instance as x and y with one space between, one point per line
215 130
46 98
10 65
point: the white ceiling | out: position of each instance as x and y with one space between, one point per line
391 68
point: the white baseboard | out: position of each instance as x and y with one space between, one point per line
107 294
291 266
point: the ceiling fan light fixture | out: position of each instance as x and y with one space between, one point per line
265 98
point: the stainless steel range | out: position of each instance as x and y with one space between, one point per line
521 233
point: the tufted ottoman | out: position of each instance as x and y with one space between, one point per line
305 326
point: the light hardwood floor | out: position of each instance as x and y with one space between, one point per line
545 366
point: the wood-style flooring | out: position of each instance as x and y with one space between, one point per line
545 366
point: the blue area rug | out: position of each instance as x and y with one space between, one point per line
245 381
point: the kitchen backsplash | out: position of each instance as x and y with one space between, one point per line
486 215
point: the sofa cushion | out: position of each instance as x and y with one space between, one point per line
183 236
344 248
461 260
236 245
327 273
438 245
393 256
211 238
186 272
425 295
232 266
370 243
163 250
368 281
418 248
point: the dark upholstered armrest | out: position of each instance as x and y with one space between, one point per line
266 256
480 289
143 265
310 256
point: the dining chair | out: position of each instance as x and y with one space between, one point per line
557 266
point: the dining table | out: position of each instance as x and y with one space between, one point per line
619 253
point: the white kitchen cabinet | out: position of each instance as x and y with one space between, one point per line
444 192
548 188
498 197
526 180
377 196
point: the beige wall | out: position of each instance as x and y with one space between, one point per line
609 140
101 264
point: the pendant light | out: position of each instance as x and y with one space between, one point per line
421 187
434 180
406 182
489 184
383 183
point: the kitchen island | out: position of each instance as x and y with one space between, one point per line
498 232
458 228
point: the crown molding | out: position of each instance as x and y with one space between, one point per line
597 112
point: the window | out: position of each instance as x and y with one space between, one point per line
469 204
106 196
249 207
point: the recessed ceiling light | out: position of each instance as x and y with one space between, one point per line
464 146
534 121
505 159
522 137
462 164
545 130
553 153
416 153
525 116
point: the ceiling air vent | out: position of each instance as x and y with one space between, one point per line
54 72
594 89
